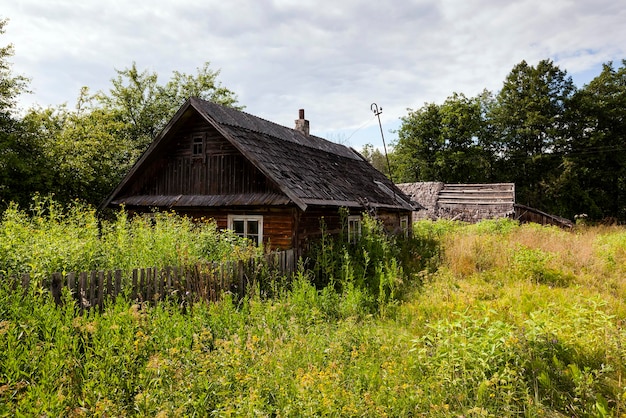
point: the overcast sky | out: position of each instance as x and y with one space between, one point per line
332 58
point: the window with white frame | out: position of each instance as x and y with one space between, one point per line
354 228
247 226
404 225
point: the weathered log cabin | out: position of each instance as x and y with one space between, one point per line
264 181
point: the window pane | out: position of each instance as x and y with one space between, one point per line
238 227
253 227
197 145
354 229
247 226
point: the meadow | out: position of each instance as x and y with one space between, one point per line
493 319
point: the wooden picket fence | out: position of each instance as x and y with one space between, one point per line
201 282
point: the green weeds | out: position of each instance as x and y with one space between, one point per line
484 320
48 239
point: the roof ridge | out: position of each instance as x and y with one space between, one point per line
231 117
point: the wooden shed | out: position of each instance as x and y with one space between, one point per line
473 203
267 182
463 202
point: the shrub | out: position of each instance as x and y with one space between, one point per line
48 239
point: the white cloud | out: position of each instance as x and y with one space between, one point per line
332 58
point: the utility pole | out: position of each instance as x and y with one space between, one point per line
377 112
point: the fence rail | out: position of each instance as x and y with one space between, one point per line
206 281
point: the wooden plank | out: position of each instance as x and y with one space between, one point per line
158 283
93 280
100 293
240 279
474 202
56 287
109 286
135 283
25 281
82 291
71 282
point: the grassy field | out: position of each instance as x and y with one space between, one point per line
493 319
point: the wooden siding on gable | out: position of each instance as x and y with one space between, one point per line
219 170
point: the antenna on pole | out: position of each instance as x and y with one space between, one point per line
377 111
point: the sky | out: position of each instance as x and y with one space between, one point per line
333 58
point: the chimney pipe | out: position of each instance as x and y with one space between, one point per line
302 124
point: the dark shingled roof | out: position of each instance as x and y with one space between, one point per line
309 170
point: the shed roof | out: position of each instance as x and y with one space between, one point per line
469 202
307 169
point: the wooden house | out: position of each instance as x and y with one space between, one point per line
473 203
264 181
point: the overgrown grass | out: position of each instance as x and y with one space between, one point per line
502 320
48 238
530 319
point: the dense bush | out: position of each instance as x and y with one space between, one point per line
377 267
49 238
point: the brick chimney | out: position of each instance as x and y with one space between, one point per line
302 124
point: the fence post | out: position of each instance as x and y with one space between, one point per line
241 279
82 291
55 287
100 294
118 283
168 283
109 292
157 279
145 283
71 282
25 282
92 287
134 291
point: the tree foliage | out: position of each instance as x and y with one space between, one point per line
376 158
18 174
594 178
87 148
563 147
444 142
84 151
11 86
531 129
145 106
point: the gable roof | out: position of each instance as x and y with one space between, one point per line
307 169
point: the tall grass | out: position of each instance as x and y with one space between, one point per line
506 320
48 238
539 308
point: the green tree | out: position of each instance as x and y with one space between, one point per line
444 142
145 106
89 154
595 180
91 147
530 129
20 162
376 158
